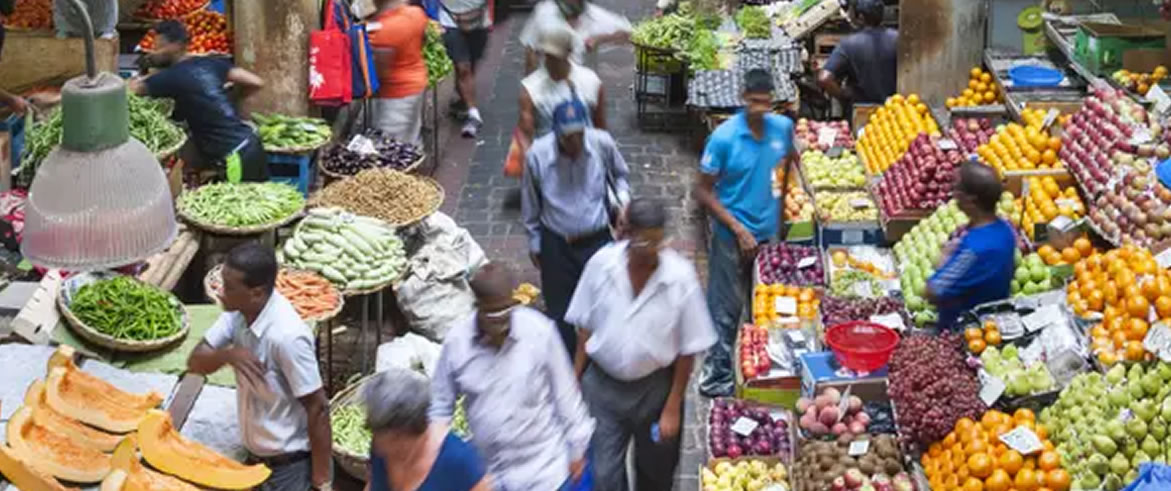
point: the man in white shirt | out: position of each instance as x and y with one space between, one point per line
522 402
284 417
641 319
591 25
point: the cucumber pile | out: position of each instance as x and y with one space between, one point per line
353 252
280 132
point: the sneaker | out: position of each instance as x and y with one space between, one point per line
471 128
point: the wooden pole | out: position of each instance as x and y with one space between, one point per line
272 40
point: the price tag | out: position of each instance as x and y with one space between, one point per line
892 320
860 203
1042 317
834 152
774 487
1158 96
852 237
1141 135
991 388
806 262
859 447
796 336
826 136
862 289
844 404
1032 353
1164 259
744 426
1050 117
1064 202
361 144
1022 440
785 305
1158 341
947 144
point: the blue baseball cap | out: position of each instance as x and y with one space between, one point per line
569 117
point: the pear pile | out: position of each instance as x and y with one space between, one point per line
1106 426
1018 379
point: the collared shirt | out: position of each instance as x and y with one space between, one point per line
522 400
272 419
632 337
594 21
568 197
979 271
744 167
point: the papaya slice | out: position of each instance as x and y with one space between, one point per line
24 476
168 451
129 474
93 401
53 453
45 416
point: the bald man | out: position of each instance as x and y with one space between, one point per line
980 268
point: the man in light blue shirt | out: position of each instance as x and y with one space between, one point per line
566 203
735 186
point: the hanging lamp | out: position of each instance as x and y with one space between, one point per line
99 200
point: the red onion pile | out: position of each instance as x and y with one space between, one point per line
770 437
922 179
932 387
782 264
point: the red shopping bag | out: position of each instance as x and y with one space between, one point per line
330 68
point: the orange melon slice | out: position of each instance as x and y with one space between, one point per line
130 475
93 401
25 477
53 453
168 451
45 416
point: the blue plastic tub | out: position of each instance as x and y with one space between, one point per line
1034 76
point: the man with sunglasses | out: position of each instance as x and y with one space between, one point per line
735 187
523 404
641 320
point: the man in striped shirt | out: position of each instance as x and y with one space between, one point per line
980 268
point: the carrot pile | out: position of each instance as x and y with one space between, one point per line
309 293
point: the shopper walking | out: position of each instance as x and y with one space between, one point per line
574 180
557 81
465 35
410 451
641 320
219 137
735 187
397 31
522 402
592 26
283 413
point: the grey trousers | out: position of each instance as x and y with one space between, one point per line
296 476
624 410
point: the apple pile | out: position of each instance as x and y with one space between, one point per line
843 171
809 133
1136 208
167 9
921 180
931 387
769 437
789 264
1108 128
754 358
823 415
970 133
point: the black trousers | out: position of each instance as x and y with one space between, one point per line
625 410
561 266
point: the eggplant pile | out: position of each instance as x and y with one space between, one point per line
356 155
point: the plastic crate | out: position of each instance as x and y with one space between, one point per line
14 125
296 170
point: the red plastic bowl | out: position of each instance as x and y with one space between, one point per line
862 346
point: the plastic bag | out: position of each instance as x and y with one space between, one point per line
410 351
1151 477
514 164
436 294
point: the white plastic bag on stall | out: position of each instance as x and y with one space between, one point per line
410 351
436 293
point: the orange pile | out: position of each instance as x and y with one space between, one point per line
1047 201
972 458
1016 147
765 297
891 129
980 338
981 90
1129 289
1081 249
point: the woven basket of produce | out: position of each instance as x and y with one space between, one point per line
169 151
372 149
351 438
314 297
358 254
395 197
121 313
293 135
244 208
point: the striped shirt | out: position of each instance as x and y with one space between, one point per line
568 197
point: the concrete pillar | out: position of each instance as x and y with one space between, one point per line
272 39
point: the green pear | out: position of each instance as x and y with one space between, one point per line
1158 429
1104 445
1152 382
1165 410
1135 389
1129 448
1160 459
1135 372
1136 428
1112 482
1145 409
1116 374
1140 457
1131 475
1150 446
1117 430
1164 371
1119 465
1098 464
1089 481
1119 397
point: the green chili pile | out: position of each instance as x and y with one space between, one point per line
241 204
350 432
149 124
125 308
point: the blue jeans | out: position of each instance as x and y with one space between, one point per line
728 283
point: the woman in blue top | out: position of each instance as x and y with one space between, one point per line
409 452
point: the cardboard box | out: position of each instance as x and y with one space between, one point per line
1101 47
821 370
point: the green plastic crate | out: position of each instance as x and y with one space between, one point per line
1099 47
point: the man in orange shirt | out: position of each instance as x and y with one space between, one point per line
397 32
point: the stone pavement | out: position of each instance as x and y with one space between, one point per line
662 166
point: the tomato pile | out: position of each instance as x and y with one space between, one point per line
31 14
208 31
167 9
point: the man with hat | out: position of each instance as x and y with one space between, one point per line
558 80
574 183
867 61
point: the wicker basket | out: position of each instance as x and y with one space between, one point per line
212 282
354 464
168 152
334 175
225 230
439 192
70 287
296 150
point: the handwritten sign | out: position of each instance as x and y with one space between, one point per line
844 404
1044 316
860 203
892 320
806 262
826 136
362 145
1158 341
947 144
991 388
785 305
1022 440
858 447
1050 117
1158 96
744 426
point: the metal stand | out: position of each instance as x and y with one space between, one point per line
660 89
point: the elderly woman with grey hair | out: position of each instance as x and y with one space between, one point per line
409 451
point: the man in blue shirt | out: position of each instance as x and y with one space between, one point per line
981 267
735 187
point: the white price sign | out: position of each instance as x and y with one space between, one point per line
860 203
1044 316
1022 440
1158 341
947 144
806 262
991 388
892 320
796 336
844 404
785 305
744 426
361 144
862 289
1050 117
1158 96
826 136
859 447
1032 353
1164 258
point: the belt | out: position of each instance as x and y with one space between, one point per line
281 460
603 232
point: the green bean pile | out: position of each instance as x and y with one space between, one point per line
241 204
149 124
350 432
439 65
124 308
